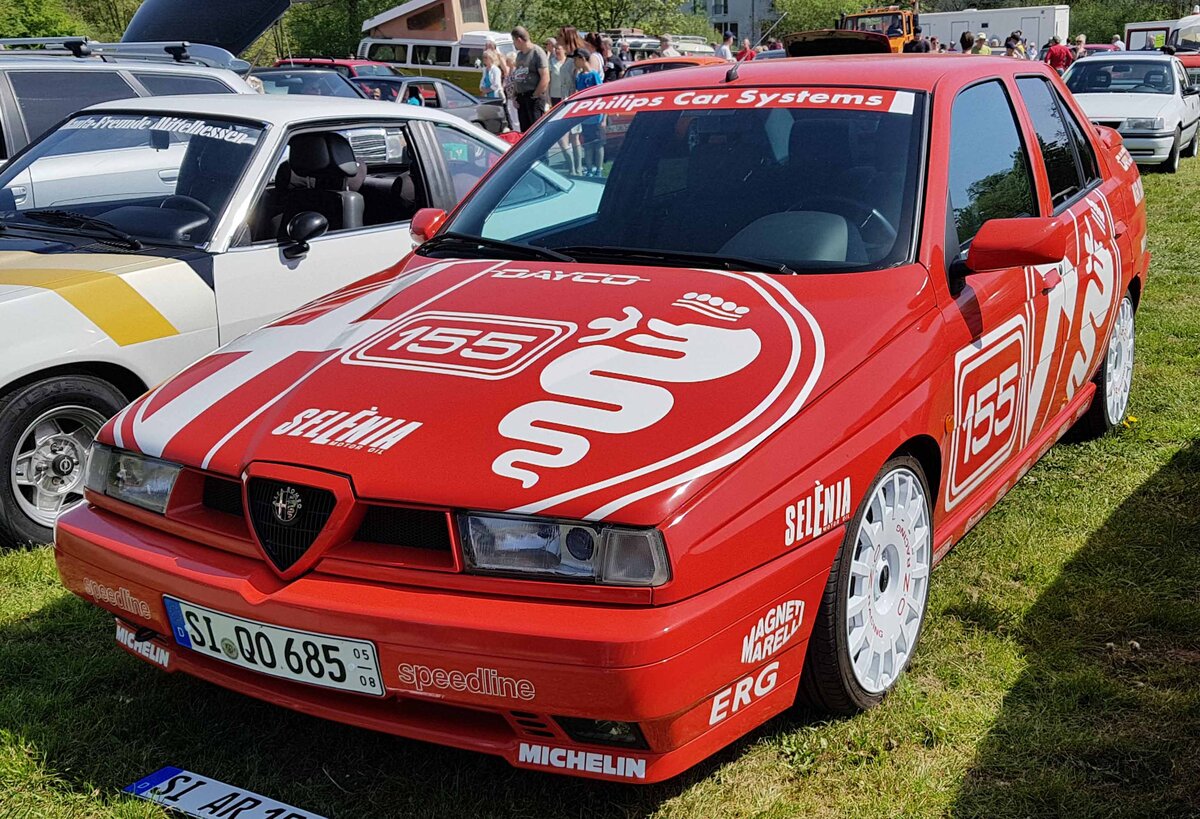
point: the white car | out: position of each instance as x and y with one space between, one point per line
142 234
1147 97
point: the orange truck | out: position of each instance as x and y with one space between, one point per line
873 31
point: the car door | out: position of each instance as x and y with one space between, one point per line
1081 292
989 320
255 281
1189 104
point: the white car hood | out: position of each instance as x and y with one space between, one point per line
1124 106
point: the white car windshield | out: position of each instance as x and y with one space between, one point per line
1096 75
1186 38
782 178
158 178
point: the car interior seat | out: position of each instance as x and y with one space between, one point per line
1155 79
799 236
325 177
1099 81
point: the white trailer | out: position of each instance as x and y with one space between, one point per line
1148 35
1037 23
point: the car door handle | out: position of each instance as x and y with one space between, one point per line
1050 280
19 192
1119 229
169 176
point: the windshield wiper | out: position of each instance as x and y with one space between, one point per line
451 239
679 257
71 219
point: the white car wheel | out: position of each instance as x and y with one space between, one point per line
1118 365
48 463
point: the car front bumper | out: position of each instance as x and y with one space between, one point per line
679 671
1149 149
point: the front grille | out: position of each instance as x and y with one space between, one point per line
414 528
221 495
286 540
532 725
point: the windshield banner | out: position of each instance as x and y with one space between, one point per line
239 135
849 99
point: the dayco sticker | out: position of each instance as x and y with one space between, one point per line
730 700
590 761
772 631
579 276
487 682
365 429
156 654
121 598
826 506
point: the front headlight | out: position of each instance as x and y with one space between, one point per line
127 476
1145 124
564 549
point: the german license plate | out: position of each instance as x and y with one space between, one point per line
191 794
302 656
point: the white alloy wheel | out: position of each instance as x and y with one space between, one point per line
889 580
49 460
1118 375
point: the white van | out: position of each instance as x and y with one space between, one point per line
460 63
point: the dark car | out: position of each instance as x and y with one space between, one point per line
314 82
436 93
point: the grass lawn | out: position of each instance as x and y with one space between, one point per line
1059 672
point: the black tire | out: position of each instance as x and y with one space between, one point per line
1192 147
828 681
22 407
1172 163
1105 415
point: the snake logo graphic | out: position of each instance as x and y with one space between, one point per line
616 381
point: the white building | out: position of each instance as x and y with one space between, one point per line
741 18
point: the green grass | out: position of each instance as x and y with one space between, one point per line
1059 673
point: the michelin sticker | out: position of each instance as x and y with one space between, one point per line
195 795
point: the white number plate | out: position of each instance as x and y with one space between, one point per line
304 656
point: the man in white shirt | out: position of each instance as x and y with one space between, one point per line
1118 42
725 49
665 49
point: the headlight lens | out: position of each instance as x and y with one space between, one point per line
130 477
564 549
1145 124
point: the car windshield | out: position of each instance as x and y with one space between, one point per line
808 179
1098 75
316 83
1186 38
881 24
159 178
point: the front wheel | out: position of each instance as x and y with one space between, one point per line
871 613
1172 163
1194 144
45 431
1114 380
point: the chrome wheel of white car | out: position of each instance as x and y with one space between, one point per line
873 606
1118 367
48 463
889 580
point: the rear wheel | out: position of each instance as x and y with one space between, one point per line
1114 380
45 431
873 607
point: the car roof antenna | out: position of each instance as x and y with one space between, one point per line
732 73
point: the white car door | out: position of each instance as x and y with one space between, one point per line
1190 103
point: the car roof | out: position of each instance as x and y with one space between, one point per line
328 60
275 109
918 72
694 59
62 62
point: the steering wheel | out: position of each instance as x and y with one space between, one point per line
179 201
860 209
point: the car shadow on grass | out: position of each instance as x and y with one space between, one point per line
96 719
1105 718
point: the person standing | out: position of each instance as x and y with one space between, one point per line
725 49
966 42
981 45
614 66
508 69
934 45
562 75
1118 42
1080 47
592 127
747 52
1058 56
623 52
665 49
491 83
531 79
569 39
917 45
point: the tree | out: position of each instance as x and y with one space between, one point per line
104 19
37 18
807 15
330 27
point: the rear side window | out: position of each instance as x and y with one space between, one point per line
431 55
1070 166
163 85
388 53
45 97
989 166
470 57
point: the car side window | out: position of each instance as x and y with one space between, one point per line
455 98
163 85
1058 146
467 159
989 165
45 97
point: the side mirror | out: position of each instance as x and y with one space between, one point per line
1191 90
1004 243
425 224
303 228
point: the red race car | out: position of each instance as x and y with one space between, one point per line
663 428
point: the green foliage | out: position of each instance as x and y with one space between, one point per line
36 18
104 20
807 15
330 28
1101 19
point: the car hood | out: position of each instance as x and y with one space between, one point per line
61 266
582 391
835 41
1124 106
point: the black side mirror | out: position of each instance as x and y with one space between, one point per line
1191 90
303 228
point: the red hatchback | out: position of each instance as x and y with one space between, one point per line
648 440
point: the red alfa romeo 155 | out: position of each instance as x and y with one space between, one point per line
664 428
